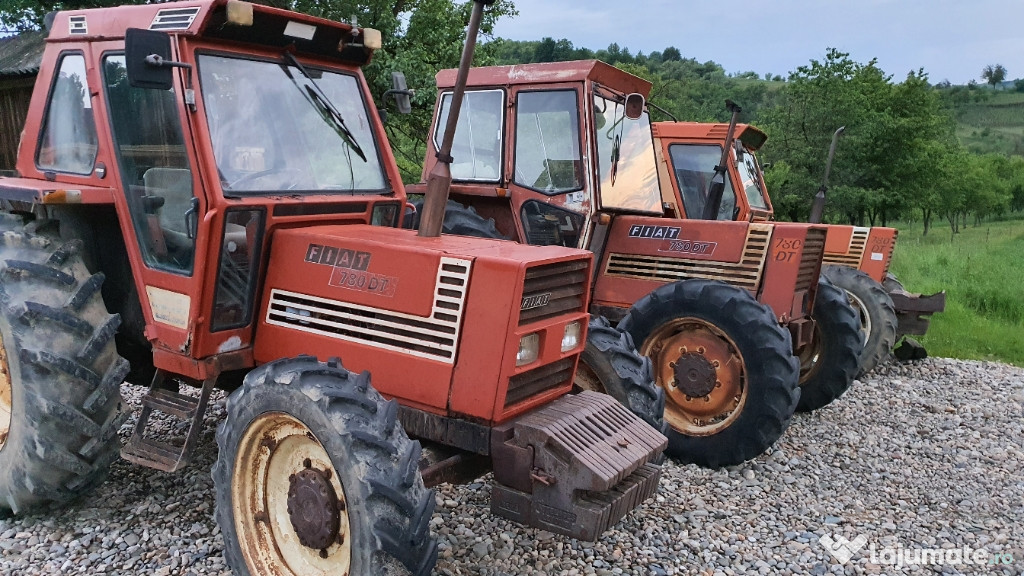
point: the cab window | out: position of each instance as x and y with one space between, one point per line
151 153
476 150
68 139
547 141
693 166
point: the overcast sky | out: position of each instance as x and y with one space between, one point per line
951 39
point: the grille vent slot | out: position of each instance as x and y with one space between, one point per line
814 247
174 18
560 285
853 255
435 336
532 382
745 274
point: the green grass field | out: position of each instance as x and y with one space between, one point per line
995 125
982 271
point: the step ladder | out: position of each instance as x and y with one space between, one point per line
159 454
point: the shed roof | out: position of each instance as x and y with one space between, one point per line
20 55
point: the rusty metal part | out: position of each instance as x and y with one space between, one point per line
282 471
809 357
575 466
912 310
313 508
710 401
457 432
166 456
694 374
6 396
440 463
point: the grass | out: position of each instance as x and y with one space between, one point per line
982 271
995 125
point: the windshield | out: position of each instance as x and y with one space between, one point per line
749 172
625 150
272 131
693 166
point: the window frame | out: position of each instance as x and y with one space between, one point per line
46 117
437 133
580 144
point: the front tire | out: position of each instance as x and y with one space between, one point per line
876 311
316 476
727 368
830 362
611 365
460 220
60 374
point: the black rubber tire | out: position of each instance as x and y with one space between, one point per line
375 462
877 305
460 220
892 284
838 343
64 371
623 373
772 370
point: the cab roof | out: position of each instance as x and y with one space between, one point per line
549 73
752 137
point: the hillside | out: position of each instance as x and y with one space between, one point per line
994 124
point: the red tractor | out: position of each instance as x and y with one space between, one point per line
856 258
206 197
562 154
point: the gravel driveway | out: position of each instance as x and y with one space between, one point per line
922 460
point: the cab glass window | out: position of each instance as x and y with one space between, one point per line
749 171
150 149
548 142
693 166
625 149
68 138
476 150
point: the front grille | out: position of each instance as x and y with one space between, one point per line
810 260
854 253
539 379
552 290
435 336
746 273
888 255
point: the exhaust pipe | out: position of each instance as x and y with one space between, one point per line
716 188
439 181
818 208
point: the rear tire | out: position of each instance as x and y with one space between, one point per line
727 368
60 381
876 311
611 365
301 435
830 363
460 220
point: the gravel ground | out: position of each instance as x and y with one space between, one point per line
922 456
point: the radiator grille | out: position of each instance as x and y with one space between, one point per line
745 274
435 336
539 379
854 253
810 267
888 255
552 290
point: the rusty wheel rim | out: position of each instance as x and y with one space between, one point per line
862 313
6 396
702 372
810 357
279 465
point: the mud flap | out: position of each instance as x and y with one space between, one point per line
575 466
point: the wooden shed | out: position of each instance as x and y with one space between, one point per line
19 63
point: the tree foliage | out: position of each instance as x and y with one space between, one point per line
993 75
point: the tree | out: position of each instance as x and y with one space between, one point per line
993 75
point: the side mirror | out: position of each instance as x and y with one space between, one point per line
402 93
139 46
635 106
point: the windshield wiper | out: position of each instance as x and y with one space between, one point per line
326 108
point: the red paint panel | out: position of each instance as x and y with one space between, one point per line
878 252
837 240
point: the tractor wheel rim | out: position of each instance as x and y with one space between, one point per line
279 465
810 357
6 396
689 348
862 313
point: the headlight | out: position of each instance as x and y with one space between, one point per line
571 337
529 349
384 215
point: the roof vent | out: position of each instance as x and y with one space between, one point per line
174 18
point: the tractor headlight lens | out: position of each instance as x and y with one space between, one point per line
384 215
571 336
529 349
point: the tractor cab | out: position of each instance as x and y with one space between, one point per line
687 154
